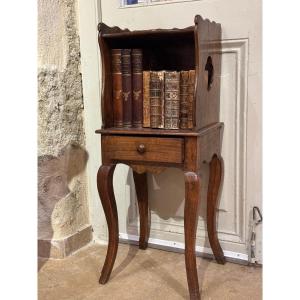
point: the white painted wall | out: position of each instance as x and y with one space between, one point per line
240 111
88 15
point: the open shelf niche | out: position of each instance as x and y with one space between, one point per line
196 47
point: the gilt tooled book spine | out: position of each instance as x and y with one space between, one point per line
172 97
146 99
157 99
127 88
184 82
137 87
117 87
191 104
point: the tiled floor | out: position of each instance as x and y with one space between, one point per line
138 274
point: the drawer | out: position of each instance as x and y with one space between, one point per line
147 149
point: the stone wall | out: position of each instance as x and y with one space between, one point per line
62 202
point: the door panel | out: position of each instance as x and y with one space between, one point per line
240 111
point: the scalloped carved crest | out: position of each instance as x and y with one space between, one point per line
103 28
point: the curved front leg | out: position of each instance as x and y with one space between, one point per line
215 179
141 188
192 197
107 197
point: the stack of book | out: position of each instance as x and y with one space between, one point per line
153 99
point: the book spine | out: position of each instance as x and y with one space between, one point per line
146 99
172 91
137 87
157 99
191 104
126 87
117 88
184 82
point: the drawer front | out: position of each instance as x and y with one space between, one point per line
148 149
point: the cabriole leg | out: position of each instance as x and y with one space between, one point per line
141 188
215 179
107 197
192 197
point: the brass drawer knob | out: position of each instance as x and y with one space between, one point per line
141 148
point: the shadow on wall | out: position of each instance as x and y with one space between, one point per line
54 177
166 200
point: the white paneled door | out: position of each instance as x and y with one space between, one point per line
240 111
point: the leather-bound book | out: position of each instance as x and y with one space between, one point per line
191 104
184 93
172 97
146 99
137 87
157 99
127 88
117 87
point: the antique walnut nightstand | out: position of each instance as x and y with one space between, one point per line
152 150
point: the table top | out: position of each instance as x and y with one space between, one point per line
158 132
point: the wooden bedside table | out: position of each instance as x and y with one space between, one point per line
153 150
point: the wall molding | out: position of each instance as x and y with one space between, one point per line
178 247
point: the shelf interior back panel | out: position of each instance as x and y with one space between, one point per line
160 51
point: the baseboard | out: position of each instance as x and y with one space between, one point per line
235 257
61 248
